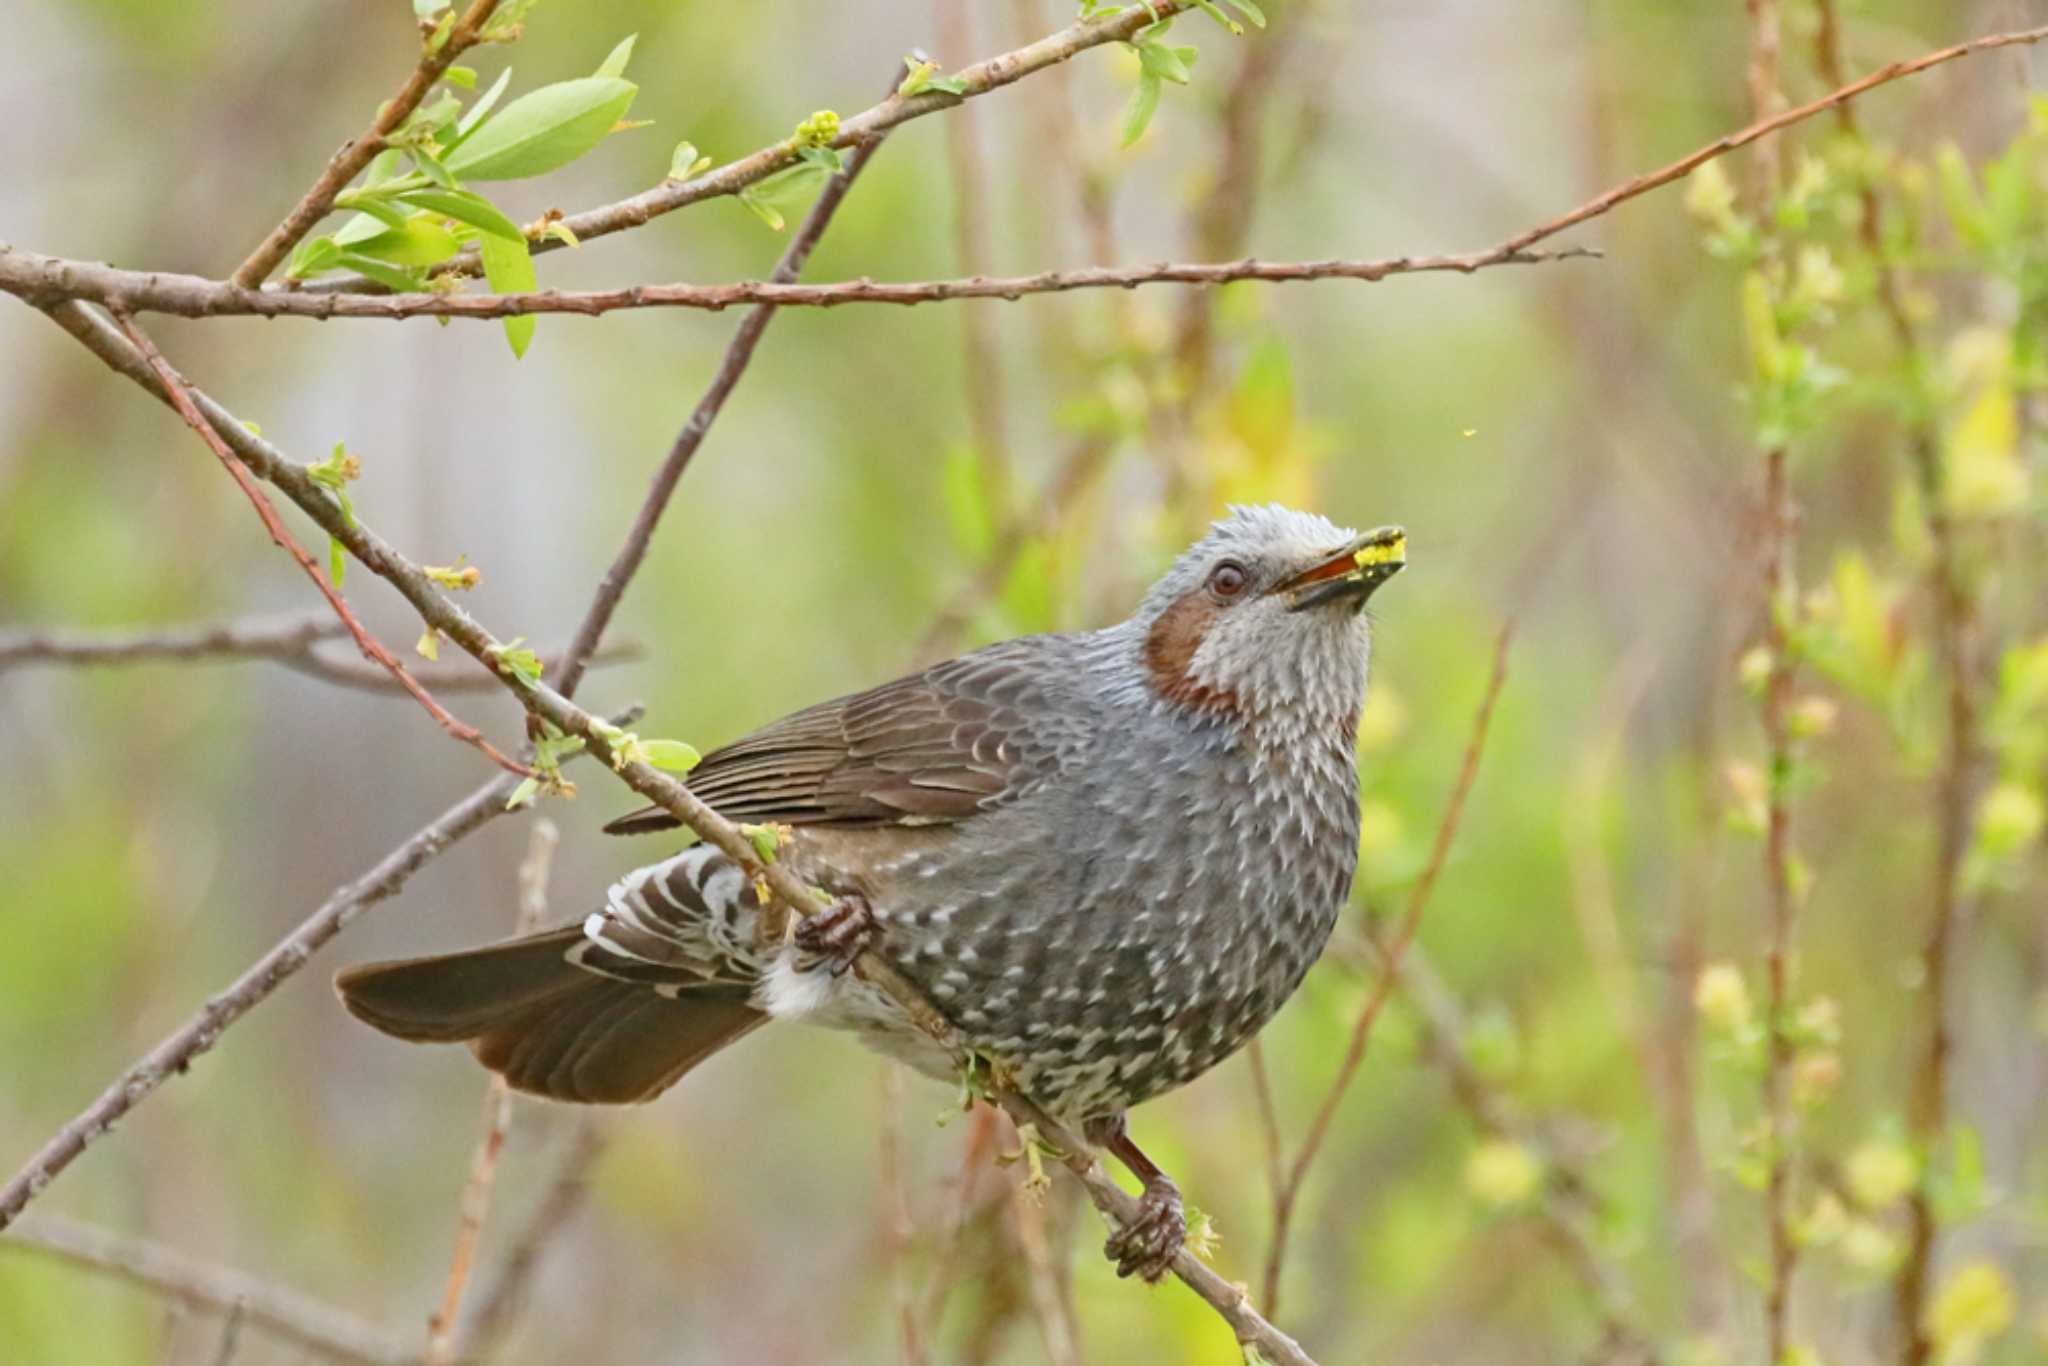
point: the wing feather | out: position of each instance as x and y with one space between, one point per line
939 746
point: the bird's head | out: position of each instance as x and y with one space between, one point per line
1262 617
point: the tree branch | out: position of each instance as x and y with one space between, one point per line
291 641
347 163
320 1329
45 279
283 639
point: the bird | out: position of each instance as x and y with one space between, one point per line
1106 857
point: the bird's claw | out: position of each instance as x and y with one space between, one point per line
1147 1245
838 934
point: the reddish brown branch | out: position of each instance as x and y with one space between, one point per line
347 163
1289 1191
180 396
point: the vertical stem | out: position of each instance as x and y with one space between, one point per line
1955 631
1780 594
1780 602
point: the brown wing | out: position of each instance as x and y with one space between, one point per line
959 738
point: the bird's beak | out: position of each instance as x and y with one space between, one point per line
1350 574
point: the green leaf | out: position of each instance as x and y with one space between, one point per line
424 10
516 659
1250 11
484 104
615 64
824 158
337 560
1223 20
522 794
539 132
508 265
393 278
382 167
686 162
432 167
1167 63
761 208
923 76
466 206
312 256
672 755
377 206
462 77
1144 102
418 241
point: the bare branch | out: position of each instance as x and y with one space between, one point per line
292 641
1354 1055
43 279
738 353
279 638
320 1329
565 1196
180 396
346 164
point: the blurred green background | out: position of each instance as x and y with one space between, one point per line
1546 1140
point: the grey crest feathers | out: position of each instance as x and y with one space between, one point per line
1108 856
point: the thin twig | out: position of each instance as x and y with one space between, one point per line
43 279
328 1333
1780 596
1955 630
1289 1190
293 642
1027 1218
230 1333
180 395
279 638
975 1155
358 152
566 1192
483 1164
1763 128
738 353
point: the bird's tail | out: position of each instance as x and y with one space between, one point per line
546 1024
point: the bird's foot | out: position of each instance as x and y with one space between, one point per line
1146 1246
837 935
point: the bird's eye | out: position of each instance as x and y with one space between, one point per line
1228 579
